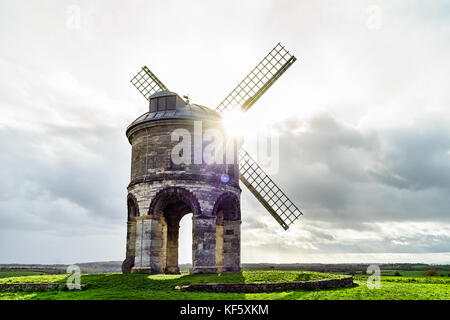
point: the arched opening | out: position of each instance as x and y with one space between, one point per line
173 213
185 240
172 205
133 212
228 216
132 209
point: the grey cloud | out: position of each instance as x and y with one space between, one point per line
349 176
420 159
39 194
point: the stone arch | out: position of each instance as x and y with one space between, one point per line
169 206
172 194
227 211
132 207
227 207
133 212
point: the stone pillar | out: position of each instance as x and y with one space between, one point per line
172 249
150 245
219 247
131 247
204 245
232 246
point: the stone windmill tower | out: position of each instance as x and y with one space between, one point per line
161 191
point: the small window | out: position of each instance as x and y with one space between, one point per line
162 104
153 105
171 102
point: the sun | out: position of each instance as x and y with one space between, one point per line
237 124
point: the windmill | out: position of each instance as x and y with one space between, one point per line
161 193
244 96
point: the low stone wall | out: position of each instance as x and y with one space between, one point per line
35 286
272 286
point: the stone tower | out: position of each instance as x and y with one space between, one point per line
161 192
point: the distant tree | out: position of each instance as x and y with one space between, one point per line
431 273
397 274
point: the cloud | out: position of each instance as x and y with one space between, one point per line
64 166
419 159
336 169
346 181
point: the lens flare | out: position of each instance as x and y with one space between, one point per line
224 178
236 123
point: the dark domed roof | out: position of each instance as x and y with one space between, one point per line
168 105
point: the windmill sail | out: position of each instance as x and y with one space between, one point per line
266 191
246 93
147 83
261 78
249 90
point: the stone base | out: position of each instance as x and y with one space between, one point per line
172 270
144 270
197 270
127 265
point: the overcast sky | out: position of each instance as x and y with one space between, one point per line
363 119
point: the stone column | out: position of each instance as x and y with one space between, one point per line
172 248
204 245
150 245
232 246
130 250
219 247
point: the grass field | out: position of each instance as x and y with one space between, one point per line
137 286
8 274
412 273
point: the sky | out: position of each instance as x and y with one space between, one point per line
362 117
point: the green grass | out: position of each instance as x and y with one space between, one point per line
412 273
8 274
161 287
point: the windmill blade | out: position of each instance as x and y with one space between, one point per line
261 78
147 83
266 191
249 90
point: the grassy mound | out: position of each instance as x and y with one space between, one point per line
161 286
150 281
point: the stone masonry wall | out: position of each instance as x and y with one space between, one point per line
152 173
35 286
265 287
